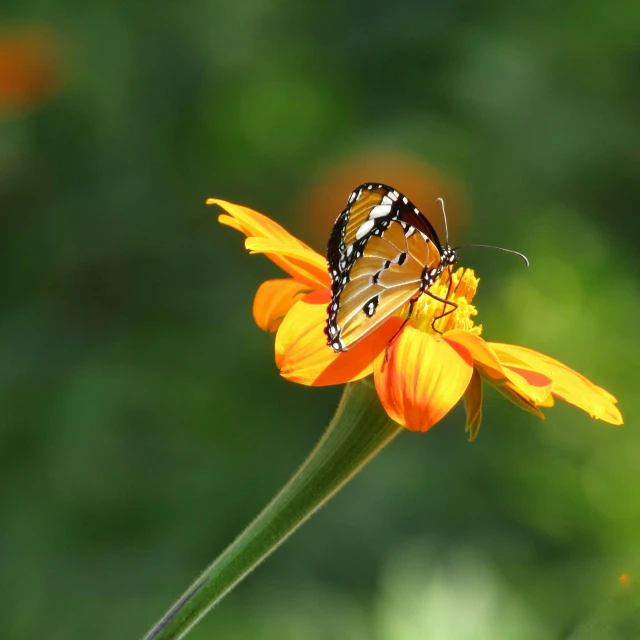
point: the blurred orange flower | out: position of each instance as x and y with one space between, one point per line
426 374
386 164
625 579
29 68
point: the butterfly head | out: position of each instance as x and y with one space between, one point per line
449 257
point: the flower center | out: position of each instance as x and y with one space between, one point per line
427 310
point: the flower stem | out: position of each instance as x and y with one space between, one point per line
357 432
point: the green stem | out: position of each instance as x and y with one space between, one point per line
357 432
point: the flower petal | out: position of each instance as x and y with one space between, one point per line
603 392
252 223
302 352
423 379
568 385
302 263
473 405
273 300
266 236
229 221
548 403
535 387
512 393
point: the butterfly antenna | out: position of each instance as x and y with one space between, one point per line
488 246
444 215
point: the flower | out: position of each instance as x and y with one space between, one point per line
425 372
409 173
29 67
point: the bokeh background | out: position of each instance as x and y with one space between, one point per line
142 420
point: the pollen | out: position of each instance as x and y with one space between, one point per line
429 313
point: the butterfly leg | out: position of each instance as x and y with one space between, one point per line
400 328
445 302
445 313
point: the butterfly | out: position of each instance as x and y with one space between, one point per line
382 253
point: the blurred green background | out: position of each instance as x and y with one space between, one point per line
142 420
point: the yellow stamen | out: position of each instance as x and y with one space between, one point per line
463 287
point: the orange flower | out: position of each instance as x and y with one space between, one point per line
426 374
29 67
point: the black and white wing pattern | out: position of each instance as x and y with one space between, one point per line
382 253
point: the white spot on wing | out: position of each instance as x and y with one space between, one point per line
404 199
364 229
378 212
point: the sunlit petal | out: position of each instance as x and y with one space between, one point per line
568 385
473 405
268 237
515 395
536 387
548 403
302 263
302 353
273 300
230 221
252 223
603 392
423 379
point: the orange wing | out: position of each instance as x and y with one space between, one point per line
370 209
389 273
382 253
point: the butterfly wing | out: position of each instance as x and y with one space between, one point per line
379 251
370 206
